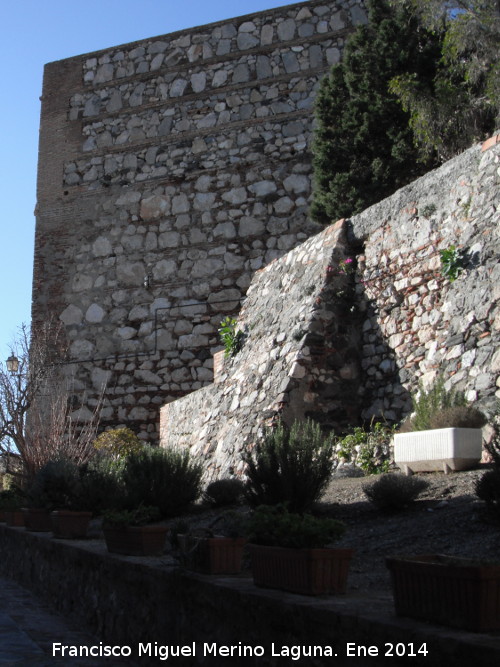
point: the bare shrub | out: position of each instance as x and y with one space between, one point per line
37 422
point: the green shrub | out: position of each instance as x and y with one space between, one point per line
488 489
224 492
118 442
163 478
291 466
57 485
231 337
488 486
275 526
428 403
393 492
102 484
458 416
140 516
11 499
371 447
452 262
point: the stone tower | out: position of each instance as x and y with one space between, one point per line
170 170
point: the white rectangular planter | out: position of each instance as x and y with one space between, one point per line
439 449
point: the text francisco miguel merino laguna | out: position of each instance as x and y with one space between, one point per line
154 649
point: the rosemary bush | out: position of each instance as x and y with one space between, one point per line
163 478
290 466
275 526
429 403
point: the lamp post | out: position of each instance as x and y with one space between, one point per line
12 364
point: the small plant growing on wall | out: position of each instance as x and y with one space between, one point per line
370 447
347 266
231 337
452 262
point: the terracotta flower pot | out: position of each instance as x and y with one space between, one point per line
305 571
37 519
136 540
70 525
458 592
212 555
14 518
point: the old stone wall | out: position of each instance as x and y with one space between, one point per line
155 608
170 170
300 358
347 341
417 323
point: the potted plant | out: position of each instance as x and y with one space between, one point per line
11 502
444 433
290 552
37 510
458 592
133 532
217 550
57 488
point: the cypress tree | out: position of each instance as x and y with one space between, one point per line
363 149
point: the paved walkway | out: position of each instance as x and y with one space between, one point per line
28 628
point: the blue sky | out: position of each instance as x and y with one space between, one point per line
35 33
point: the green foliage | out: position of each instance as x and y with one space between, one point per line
363 149
165 478
371 446
224 492
488 486
428 403
275 526
57 485
102 484
11 499
118 442
461 103
458 416
394 492
488 489
63 484
291 466
139 516
452 262
230 336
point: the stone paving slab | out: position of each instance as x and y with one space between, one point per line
28 628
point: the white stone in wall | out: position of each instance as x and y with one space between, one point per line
154 207
95 314
71 315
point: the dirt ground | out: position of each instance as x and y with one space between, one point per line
447 518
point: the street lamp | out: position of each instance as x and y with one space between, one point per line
12 364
